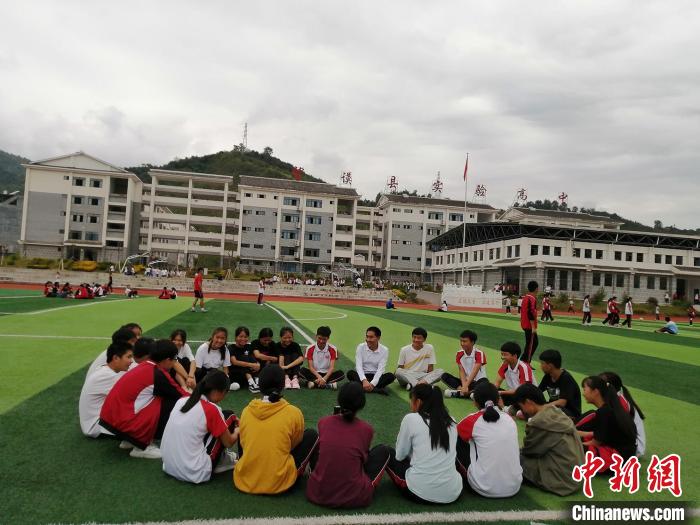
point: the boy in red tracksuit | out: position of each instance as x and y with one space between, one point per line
528 321
614 311
547 309
198 290
139 405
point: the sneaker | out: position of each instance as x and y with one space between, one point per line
295 384
203 310
452 393
234 386
150 452
226 462
192 309
125 445
408 387
332 386
287 382
310 384
254 389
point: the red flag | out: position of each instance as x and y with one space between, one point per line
296 173
466 165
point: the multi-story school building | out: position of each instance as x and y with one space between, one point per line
77 206
572 253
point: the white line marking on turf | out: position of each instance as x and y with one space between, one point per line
37 312
299 330
2 297
339 316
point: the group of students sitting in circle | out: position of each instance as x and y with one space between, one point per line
142 391
83 291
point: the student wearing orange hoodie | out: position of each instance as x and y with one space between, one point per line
274 447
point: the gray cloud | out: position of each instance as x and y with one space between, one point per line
598 100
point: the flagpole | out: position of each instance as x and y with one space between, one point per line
464 217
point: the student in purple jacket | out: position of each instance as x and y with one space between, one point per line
347 471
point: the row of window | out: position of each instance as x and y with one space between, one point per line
292 201
435 215
79 217
403 258
607 279
76 235
81 181
92 201
431 231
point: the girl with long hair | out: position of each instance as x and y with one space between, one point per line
244 367
634 411
184 368
198 433
491 436
214 355
423 465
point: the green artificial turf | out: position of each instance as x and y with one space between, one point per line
51 473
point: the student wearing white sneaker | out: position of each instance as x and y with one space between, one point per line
138 406
370 364
244 367
198 433
97 386
321 358
417 362
471 363
129 333
213 355
291 358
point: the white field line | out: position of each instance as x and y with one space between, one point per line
299 330
2 297
37 312
339 316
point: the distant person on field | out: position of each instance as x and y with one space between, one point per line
552 446
657 312
571 309
370 364
390 304
164 293
513 371
99 383
667 298
559 385
275 448
443 307
691 314
519 303
629 312
417 362
471 363
198 433
669 328
261 291
507 303
546 309
528 321
586 321
321 358
198 290
424 464
347 470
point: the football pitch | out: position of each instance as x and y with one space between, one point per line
51 473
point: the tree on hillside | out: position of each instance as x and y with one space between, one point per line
267 152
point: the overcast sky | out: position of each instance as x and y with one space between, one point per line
597 99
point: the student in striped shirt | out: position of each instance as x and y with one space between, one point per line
513 371
471 363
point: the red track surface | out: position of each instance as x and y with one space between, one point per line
315 300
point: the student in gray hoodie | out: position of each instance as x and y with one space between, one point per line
552 446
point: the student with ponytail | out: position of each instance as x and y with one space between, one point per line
275 449
423 465
629 404
491 436
610 428
347 471
198 433
214 355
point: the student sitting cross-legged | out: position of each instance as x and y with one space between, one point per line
513 371
139 404
610 428
471 363
491 436
275 449
424 464
98 384
321 358
244 367
370 364
347 471
185 368
417 362
198 433
214 355
290 357
632 408
552 446
264 348
559 384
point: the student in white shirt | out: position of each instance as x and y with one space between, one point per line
184 368
586 311
513 371
99 383
129 333
370 364
214 355
321 358
417 362
424 464
629 312
198 433
471 363
493 468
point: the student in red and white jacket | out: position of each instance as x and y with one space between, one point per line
321 358
528 321
471 363
513 371
546 309
491 436
198 433
138 406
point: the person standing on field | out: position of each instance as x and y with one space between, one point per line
586 311
261 291
528 321
198 291
628 313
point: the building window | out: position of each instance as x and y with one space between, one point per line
247 212
517 250
587 253
245 245
534 249
563 280
599 254
260 230
696 261
248 195
545 250
608 279
456 217
287 234
498 253
490 254
577 252
620 280
66 177
575 281
596 279
408 210
92 236
258 246
396 210
78 181
394 241
290 218
651 282
259 212
509 251
669 259
314 203
261 195
96 183
657 258
618 256
637 281
94 201
75 235
94 219
246 228
407 226
77 217
394 257
663 283
311 252
435 215
406 243
428 261
405 258
312 236
557 251
679 260
313 219
551 274
290 201
628 256
640 257
77 200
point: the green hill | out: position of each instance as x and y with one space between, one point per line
236 162
11 172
